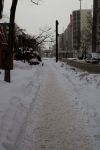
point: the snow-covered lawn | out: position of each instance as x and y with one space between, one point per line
17 98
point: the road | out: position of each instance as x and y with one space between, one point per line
55 121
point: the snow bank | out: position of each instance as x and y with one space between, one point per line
16 99
87 87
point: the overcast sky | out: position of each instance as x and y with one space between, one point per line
32 17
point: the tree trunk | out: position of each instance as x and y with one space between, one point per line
1 7
11 38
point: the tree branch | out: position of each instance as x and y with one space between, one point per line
36 3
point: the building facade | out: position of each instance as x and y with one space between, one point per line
79 22
96 27
68 39
61 51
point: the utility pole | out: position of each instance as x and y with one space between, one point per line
57 40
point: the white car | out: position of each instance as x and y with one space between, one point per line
92 59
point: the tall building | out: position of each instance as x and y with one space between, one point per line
96 26
61 51
68 39
60 42
79 22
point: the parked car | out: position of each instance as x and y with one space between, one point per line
34 61
92 58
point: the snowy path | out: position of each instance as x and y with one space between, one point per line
55 121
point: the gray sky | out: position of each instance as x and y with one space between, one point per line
32 17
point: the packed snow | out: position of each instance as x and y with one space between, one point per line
51 107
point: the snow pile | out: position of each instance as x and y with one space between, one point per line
79 77
87 87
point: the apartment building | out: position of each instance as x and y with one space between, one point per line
96 27
68 39
61 51
65 42
79 22
69 42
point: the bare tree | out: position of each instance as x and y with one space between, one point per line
11 33
36 3
45 36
